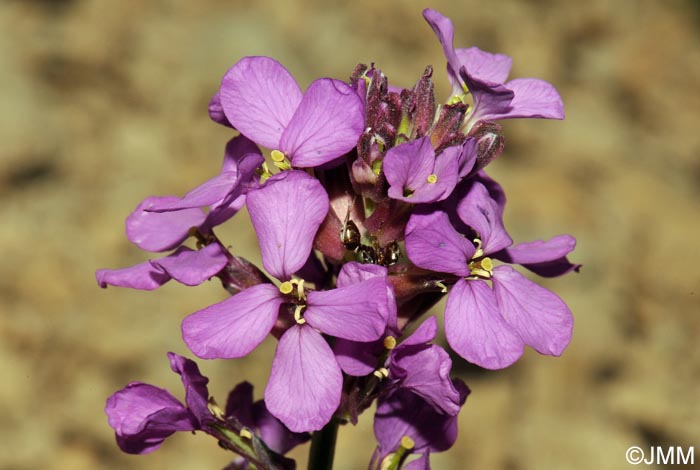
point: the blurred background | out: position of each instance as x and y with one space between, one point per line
105 103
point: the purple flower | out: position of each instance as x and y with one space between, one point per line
405 423
416 175
306 381
143 416
163 223
490 326
484 75
261 99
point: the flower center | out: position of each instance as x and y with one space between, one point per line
298 297
480 267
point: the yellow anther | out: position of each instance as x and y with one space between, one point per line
286 287
389 342
300 290
479 252
432 179
214 409
297 314
277 156
407 443
245 433
381 373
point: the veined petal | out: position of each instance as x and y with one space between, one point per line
475 328
546 258
485 66
354 273
424 334
142 276
358 358
357 312
193 267
327 124
492 101
534 98
467 157
305 382
234 327
483 214
432 243
286 213
152 231
537 314
259 97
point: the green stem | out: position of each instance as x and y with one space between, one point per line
323 447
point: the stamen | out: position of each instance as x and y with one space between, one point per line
389 342
407 443
214 409
286 288
479 252
300 290
277 156
432 179
246 434
443 287
297 314
381 373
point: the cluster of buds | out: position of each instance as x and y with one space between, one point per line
371 205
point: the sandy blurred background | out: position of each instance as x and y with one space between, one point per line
104 103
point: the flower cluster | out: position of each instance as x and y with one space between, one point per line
371 202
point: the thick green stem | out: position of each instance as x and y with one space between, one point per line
323 447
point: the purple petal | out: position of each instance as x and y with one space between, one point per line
143 416
237 149
358 358
442 26
234 327
483 214
305 382
546 258
206 194
193 267
273 432
239 404
425 333
142 276
327 124
475 328
485 66
357 312
152 231
492 101
467 157
432 243
259 97
216 111
354 273
196 391
534 98
538 315
286 213
426 372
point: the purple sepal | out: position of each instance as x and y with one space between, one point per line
153 231
286 213
143 416
545 258
193 267
305 382
216 111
